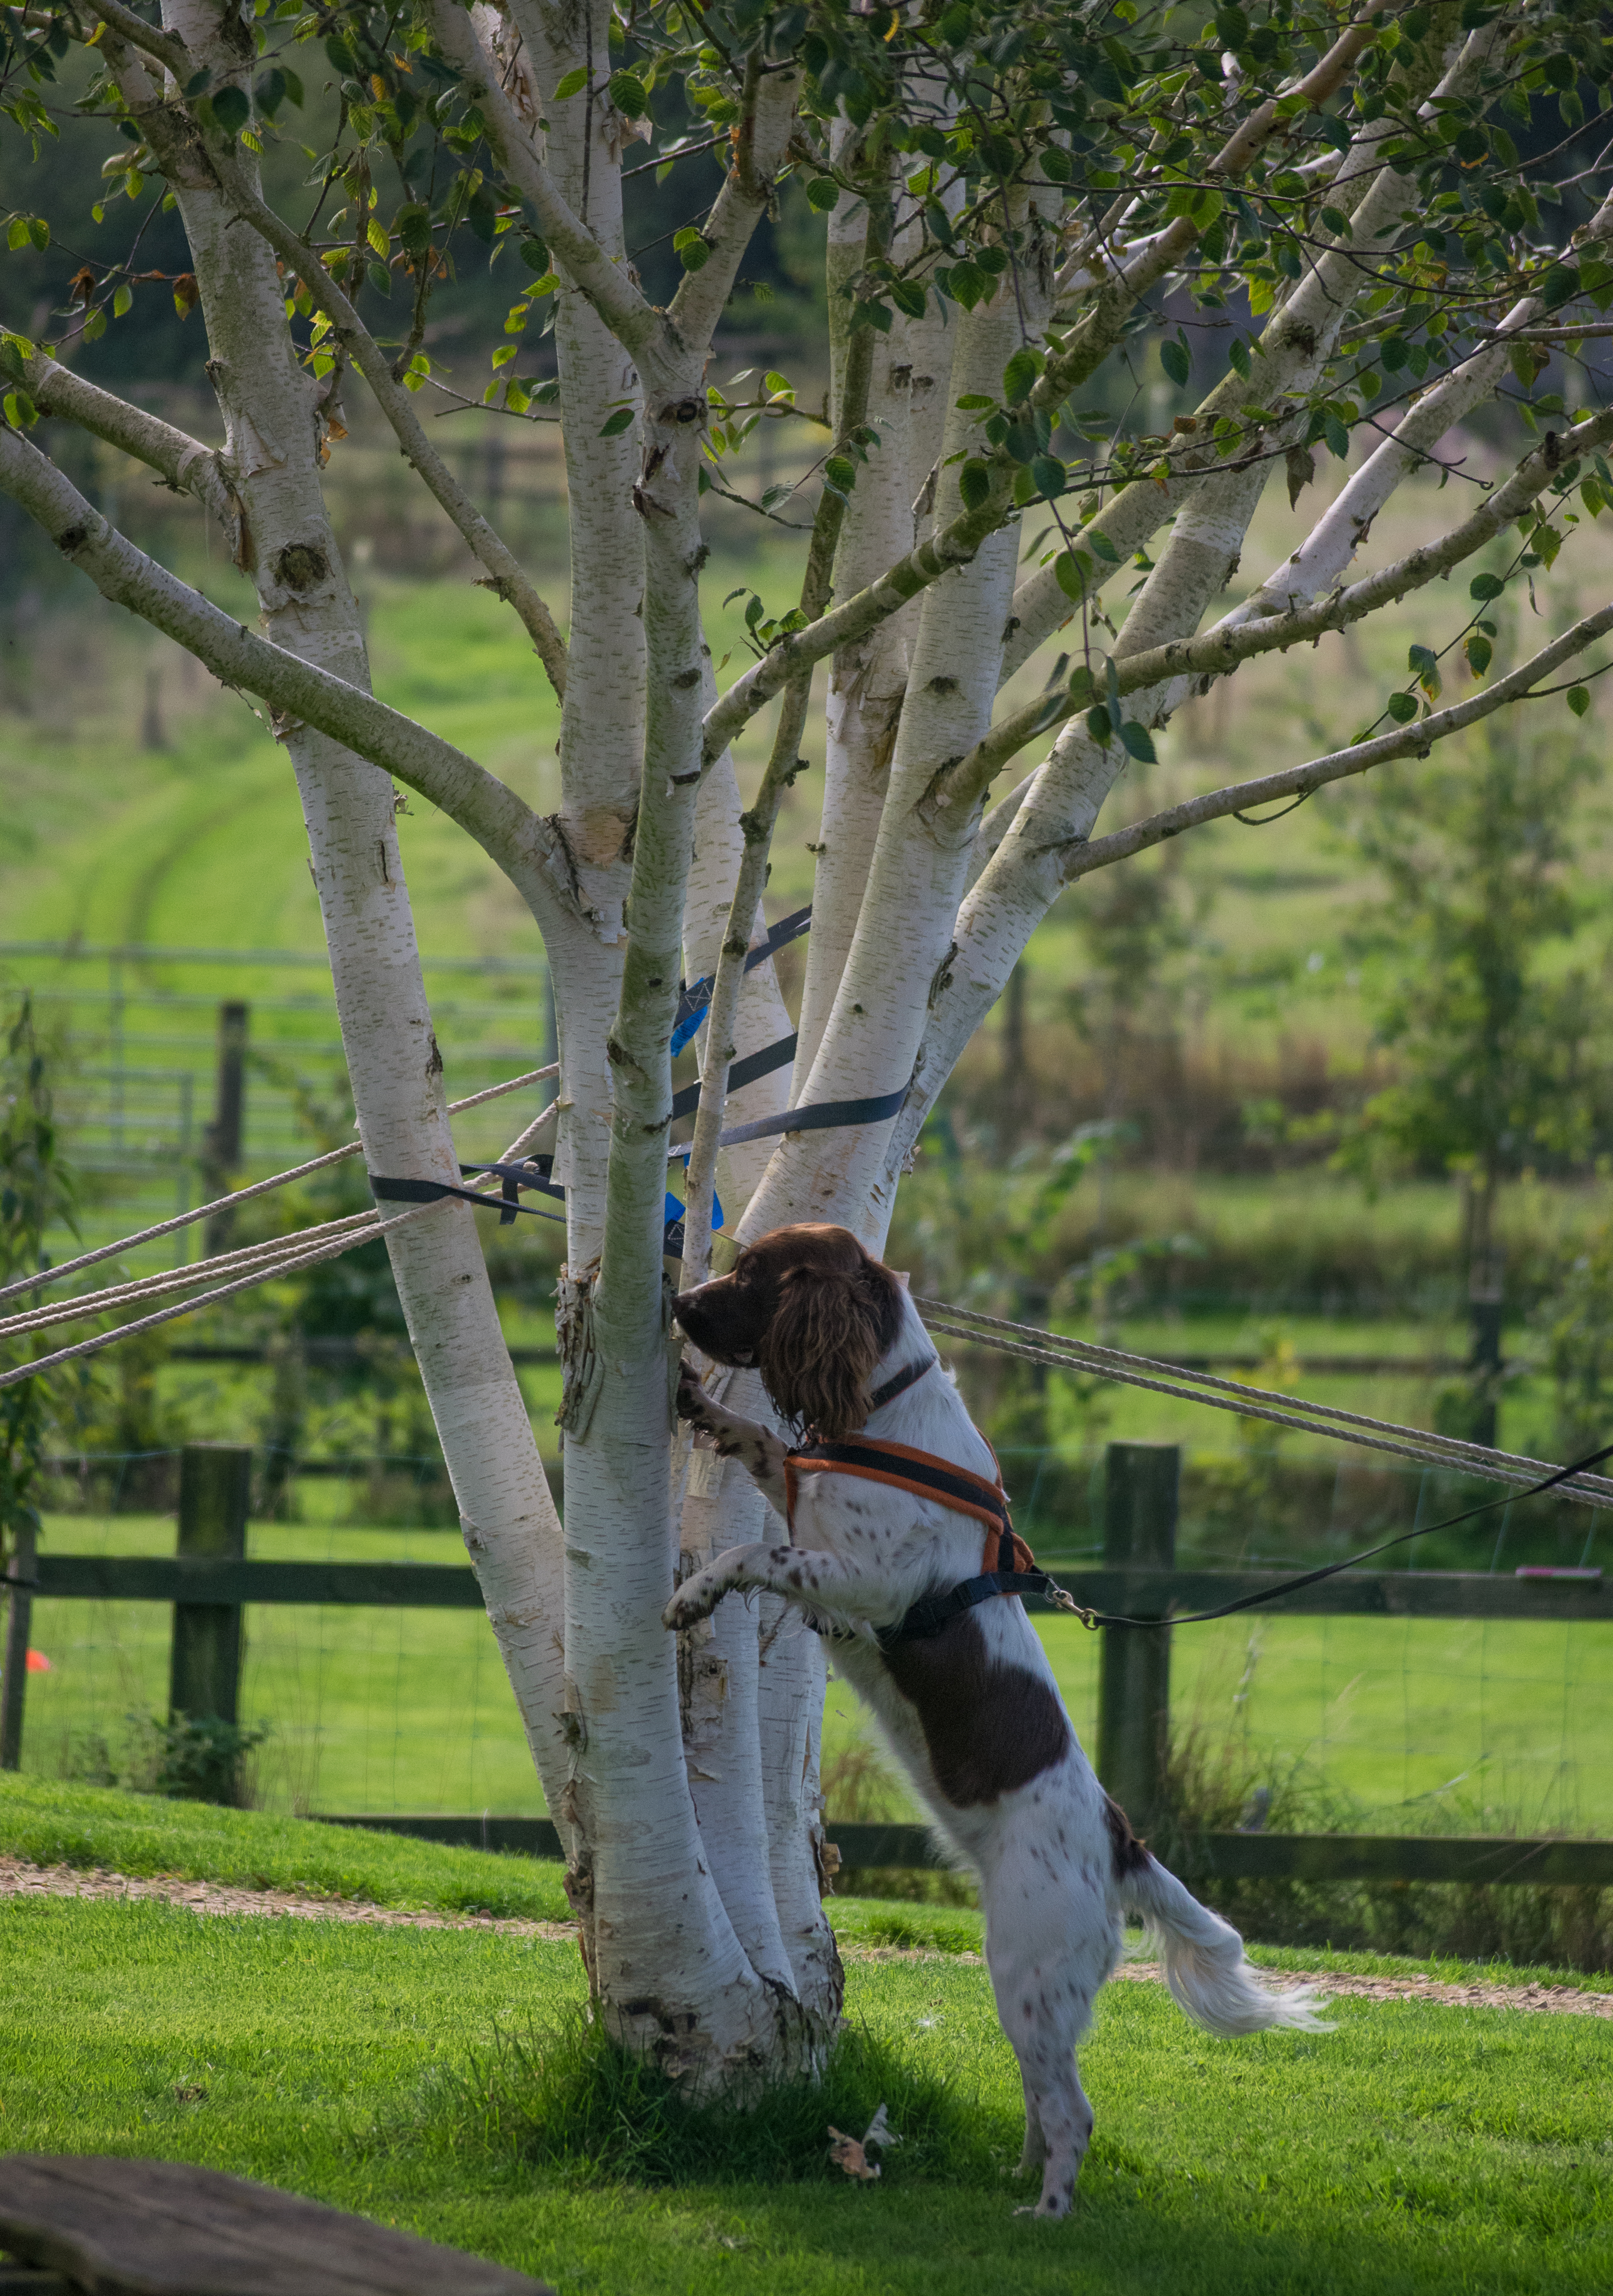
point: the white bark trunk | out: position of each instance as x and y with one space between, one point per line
510 1529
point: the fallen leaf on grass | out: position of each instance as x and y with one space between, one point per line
851 2153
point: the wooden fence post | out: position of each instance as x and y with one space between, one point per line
1135 1669
13 1684
204 1670
222 1139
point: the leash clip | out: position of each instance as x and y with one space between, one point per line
1062 1599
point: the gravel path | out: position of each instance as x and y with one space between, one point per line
19 1879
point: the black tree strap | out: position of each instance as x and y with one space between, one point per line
514 1176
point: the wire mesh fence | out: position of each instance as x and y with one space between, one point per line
1386 1723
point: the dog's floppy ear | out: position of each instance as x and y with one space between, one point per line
828 1330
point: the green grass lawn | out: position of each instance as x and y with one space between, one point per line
1416 2149
1406 1724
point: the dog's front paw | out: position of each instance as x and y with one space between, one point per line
694 1403
695 1599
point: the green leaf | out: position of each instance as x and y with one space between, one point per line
1098 725
413 225
1081 686
1485 586
39 232
1337 222
1392 353
622 420
1138 742
1479 652
1102 544
1050 475
909 298
1238 357
572 85
841 473
1579 699
122 301
1019 377
1176 360
822 195
1070 569
1402 708
1338 437
968 283
974 483
232 110
1560 284
627 94
974 403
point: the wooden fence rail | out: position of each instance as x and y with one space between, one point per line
210 1581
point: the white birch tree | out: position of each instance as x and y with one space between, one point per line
1375 219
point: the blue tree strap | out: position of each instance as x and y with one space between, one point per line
692 1002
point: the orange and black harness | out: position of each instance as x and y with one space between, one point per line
928 1477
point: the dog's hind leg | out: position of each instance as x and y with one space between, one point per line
1058 2122
1035 2144
1044 2009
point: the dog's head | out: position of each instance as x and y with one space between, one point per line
812 1311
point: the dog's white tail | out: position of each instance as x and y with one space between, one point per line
1203 1964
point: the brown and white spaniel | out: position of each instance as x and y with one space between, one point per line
973 1712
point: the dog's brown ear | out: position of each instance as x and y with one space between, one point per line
828 1330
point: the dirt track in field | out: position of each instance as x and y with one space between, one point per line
19 1879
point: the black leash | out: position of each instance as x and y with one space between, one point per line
927 1618
1331 1570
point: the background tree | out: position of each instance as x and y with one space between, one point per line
1373 217
1500 1057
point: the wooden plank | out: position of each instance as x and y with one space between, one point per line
121 2227
1375 1594
202 1579
1231 1856
524 1837
449 1586
1391 1857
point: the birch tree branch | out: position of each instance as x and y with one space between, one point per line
954 545
1089 343
502 823
760 150
188 466
1240 637
162 47
1223 649
636 325
758 824
1414 740
1297 341
506 576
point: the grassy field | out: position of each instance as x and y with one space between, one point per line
1416 2149
1397 1725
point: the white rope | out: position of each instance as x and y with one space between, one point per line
262 1187
1312 1419
282 1266
87 1304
